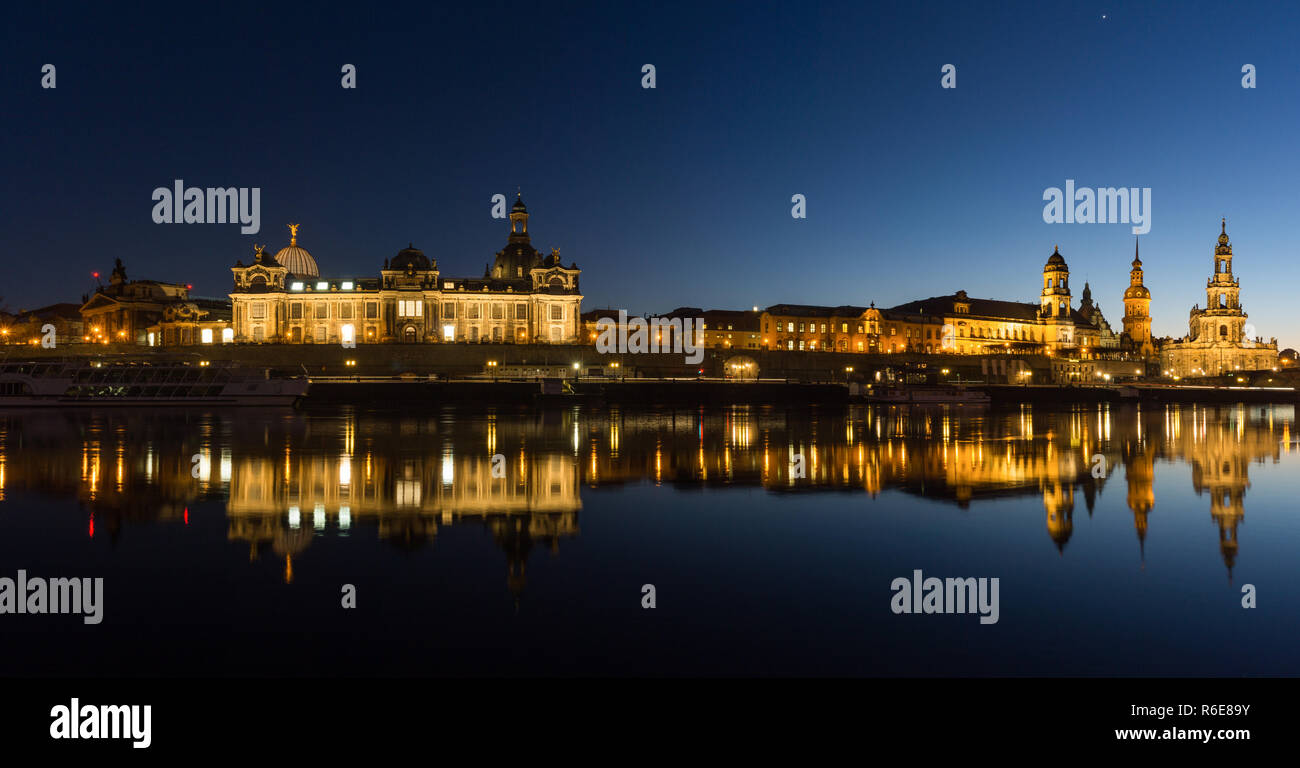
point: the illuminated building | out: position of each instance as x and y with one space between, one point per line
1219 340
524 297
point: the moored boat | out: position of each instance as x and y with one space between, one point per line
69 383
926 394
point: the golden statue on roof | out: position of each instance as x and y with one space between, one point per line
293 234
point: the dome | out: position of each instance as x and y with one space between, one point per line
410 259
1137 292
1056 259
297 260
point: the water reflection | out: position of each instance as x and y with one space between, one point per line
286 478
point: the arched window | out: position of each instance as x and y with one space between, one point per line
1223 331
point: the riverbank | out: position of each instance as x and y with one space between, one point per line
404 393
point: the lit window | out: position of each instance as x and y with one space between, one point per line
347 333
227 335
322 286
295 286
346 285
449 333
206 335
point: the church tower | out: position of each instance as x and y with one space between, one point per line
1137 310
1054 303
1223 319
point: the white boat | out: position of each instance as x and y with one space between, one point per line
68 383
922 394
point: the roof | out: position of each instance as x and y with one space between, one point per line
995 308
810 310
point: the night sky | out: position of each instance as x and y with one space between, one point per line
678 195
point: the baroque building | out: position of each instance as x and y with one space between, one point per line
990 326
124 310
1137 311
524 297
1219 340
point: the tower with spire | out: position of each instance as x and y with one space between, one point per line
1137 310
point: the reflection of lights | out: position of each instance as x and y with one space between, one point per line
448 469
345 470
345 518
295 517
318 517
225 465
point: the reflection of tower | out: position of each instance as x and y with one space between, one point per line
1139 471
1058 499
1221 471
1137 310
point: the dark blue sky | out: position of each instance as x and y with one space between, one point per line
678 195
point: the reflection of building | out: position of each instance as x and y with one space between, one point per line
289 478
1219 340
525 297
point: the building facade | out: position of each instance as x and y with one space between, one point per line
990 326
123 311
1219 340
524 297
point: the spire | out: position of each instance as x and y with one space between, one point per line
1137 258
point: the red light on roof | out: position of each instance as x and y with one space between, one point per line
94 274
189 286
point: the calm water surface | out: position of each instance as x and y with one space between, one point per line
225 539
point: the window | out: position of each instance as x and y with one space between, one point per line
322 310
258 334
449 310
844 327
449 333
823 327
789 327
801 344
372 310
206 335
295 310
521 311
345 311
800 327
259 310
321 336
473 311
408 308
227 336
322 286
557 312
294 286
498 311
555 333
